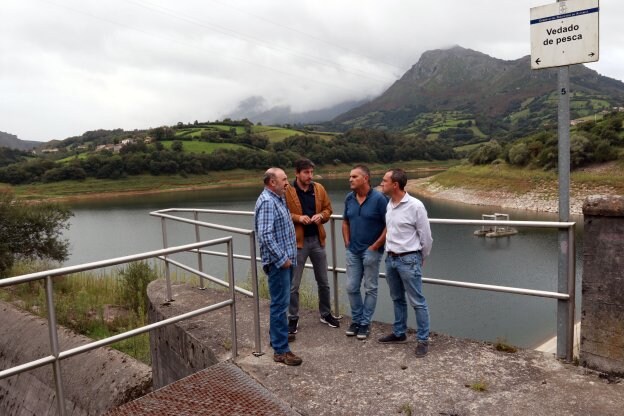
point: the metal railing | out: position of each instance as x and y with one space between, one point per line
165 214
565 296
56 355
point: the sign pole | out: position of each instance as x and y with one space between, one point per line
564 337
562 34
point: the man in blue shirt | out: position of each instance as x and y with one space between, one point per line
278 249
364 234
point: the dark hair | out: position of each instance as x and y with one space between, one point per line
364 170
303 164
399 176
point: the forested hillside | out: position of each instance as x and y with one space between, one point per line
201 148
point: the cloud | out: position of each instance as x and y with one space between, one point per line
68 66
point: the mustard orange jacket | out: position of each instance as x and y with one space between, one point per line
323 207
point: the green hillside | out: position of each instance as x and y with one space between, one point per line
500 99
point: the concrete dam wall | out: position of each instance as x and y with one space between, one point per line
93 382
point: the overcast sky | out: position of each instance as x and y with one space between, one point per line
68 66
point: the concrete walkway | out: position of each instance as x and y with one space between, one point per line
345 376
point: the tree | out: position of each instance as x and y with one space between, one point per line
519 154
31 231
177 146
486 153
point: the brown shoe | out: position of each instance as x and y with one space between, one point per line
287 358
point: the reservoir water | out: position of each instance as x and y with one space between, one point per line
120 226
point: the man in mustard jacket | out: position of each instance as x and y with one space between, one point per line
310 208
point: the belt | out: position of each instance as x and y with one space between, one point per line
393 254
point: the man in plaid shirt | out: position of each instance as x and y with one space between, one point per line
278 249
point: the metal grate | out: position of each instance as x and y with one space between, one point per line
223 389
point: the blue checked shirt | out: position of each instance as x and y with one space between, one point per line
275 231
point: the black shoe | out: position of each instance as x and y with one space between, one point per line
363 332
330 320
293 324
393 339
353 329
421 349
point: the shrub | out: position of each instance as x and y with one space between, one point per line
135 278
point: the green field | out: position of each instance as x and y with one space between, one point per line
80 156
467 147
274 134
277 134
202 147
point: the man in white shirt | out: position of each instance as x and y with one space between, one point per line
408 243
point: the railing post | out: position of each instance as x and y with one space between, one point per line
169 296
255 290
200 264
230 252
54 347
332 224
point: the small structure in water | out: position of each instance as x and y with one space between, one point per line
493 231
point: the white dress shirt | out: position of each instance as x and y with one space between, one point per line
407 227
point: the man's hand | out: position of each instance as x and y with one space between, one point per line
287 264
317 218
305 220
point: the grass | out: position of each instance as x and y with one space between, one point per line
277 134
139 183
502 345
479 385
406 409
467 147
80 156
92 188
97 304
501 177
195 146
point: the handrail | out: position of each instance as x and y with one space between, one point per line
565 318
9 281
57 355
164 215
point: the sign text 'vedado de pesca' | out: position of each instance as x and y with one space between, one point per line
564 38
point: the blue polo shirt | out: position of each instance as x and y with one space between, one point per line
366 221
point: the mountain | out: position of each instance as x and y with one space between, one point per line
11 141
256 109
497 96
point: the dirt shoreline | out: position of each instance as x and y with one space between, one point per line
543 199
254 180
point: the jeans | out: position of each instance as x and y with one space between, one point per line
279 289
362 267
311 248
404 275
